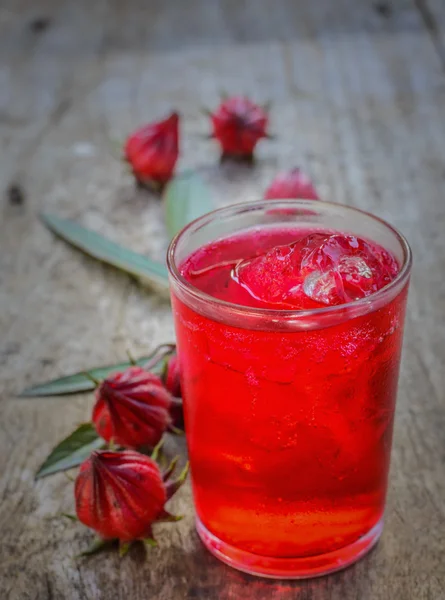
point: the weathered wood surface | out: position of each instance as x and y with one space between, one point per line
358 97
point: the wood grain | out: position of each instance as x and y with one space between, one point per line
358 101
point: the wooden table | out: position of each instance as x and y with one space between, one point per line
358 101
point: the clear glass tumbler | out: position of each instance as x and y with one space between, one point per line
289 414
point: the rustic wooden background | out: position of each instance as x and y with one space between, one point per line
358 101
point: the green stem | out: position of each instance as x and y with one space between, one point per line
91 378
131 358
158 354
157 449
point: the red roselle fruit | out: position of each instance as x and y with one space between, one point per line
133 408
172 376
173 384
152 151
238 125
121 494
291 184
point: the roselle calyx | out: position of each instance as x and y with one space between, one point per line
120 495
238 125
133 408
291 184
152 151
172 382
172 376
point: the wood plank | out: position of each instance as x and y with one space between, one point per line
357 101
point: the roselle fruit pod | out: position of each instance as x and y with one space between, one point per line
133 408
238 125
172 376
291 184
120 495
152 151
172 382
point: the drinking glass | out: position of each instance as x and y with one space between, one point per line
289 413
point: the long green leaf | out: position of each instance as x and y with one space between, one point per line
103 249
78 382
185 198
72 451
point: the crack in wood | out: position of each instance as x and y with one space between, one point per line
49 588
432 28
384 9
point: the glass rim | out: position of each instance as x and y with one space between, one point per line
276 313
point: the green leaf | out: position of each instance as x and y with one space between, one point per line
97 545
72 451
185 198
70 517
99 247
124 547
80 382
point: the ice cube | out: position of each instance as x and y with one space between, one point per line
354 267
362 268
326 288
275 277
269 277
321 269
357 276
328 253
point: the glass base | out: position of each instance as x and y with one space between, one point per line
289 568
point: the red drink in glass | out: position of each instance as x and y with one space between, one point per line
289 363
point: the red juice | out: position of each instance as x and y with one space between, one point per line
289 428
